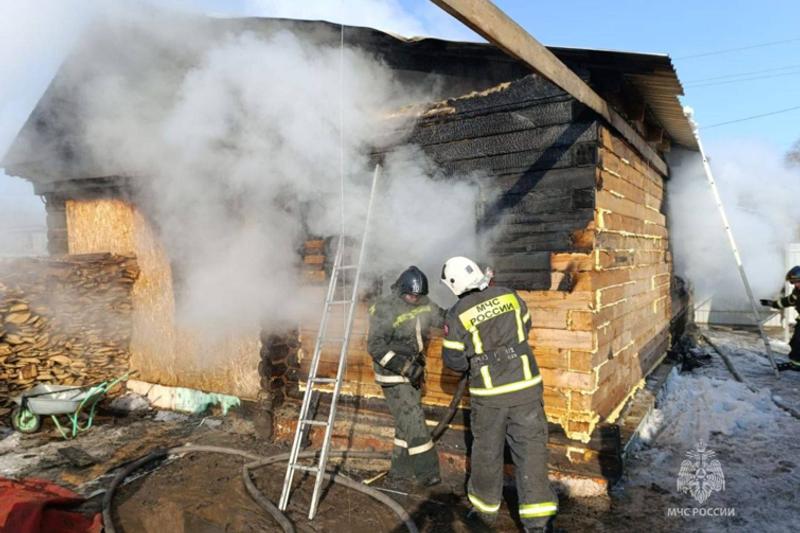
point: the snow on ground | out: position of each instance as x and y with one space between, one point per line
757 444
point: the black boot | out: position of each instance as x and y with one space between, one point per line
547 528
480 521
430 481
789 365
398 482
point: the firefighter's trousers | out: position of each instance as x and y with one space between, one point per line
414 454
524 428
794 344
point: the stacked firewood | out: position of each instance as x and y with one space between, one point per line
64 320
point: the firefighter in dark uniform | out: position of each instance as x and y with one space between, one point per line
486 333
792 300
399 329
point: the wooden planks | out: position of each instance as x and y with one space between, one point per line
579 233
503 117
631 277
532 149
64 320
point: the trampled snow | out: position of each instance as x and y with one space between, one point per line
756 443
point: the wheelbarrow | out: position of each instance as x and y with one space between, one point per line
71 403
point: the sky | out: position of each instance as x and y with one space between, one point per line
35 36
684 29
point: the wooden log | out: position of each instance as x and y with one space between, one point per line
580 217
525 280
619 222
532 242
608 201
509 96
525 115
619 147
549 138
559 157
522 261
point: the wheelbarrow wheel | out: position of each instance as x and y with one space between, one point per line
25 421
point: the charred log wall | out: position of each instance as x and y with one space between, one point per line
532 148
64 320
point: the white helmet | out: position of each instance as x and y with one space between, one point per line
462 274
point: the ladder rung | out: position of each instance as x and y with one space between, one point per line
314 422
337 288
305 468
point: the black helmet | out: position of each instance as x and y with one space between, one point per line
411 281
793 275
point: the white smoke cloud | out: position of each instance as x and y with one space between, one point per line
758 192
36 35
244 161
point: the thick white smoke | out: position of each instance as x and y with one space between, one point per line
243 161
758 191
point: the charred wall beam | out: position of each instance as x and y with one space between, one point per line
532 150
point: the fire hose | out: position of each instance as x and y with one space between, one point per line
260 461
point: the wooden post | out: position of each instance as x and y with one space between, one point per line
489 21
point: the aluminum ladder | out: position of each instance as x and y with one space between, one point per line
348 305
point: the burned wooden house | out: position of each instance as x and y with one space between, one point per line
583 236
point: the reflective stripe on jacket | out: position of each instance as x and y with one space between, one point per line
792 300
486 332
399 330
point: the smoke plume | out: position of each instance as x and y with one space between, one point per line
238 157
758 192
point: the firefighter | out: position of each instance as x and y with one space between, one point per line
792 300
399 329
486 334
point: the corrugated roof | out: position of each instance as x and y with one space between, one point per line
653 75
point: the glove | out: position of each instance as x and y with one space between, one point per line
414 372
769 303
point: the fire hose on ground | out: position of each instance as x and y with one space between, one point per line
260 461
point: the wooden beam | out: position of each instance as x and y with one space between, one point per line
655 134
489 21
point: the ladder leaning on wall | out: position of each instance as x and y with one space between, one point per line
347 303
